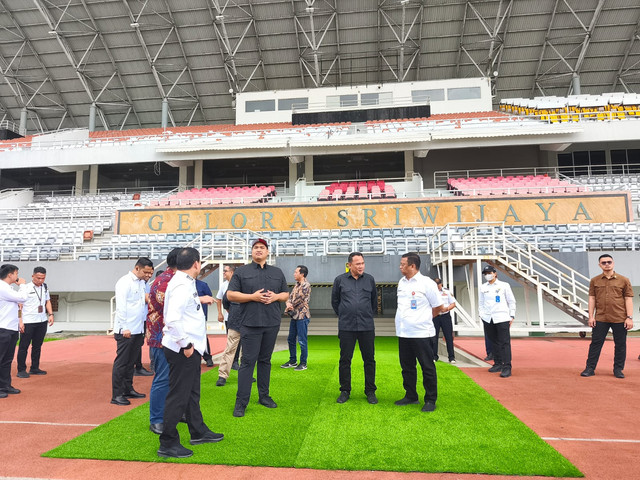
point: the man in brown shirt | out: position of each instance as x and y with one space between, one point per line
298 309
610 306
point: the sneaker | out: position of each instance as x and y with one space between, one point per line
506 372
429 407
23 374
300 367
489 357
174 452
268 402
406 401
289 365
344 396
235 366
371 398
588 372
209 362
453 361
208 437
221 382
238 410
37 371
496 368
618 374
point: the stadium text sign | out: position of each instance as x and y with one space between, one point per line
529 210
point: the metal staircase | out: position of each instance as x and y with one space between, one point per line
553 281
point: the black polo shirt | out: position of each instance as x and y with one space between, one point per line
354 301
251 278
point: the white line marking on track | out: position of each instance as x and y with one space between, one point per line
606 440
51 424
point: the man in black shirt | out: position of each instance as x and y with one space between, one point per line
258 288
354 299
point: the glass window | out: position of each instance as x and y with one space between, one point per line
260 106
463 93
423 96
349 100
369 99
293 103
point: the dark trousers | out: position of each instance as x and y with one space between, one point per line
410 350
8 339
445 323
34 334
126 354
207 354
257 347
366 342
183 398
500 337
598 336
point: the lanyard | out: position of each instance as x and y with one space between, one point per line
38 295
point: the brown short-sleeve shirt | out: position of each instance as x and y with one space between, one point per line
610 294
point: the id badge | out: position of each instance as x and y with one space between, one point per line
414 304
40 309
497 298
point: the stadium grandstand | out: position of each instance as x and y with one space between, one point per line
502 132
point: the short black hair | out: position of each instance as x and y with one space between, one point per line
144 262
604 255
173 257
354 254
7 269
186 258
39 270
438 281
159 272
304 271
413 259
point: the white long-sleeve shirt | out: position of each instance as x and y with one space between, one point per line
9 300
183 316
496 302
131 309
416 297
37 297
221 291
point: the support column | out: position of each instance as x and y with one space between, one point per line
182 177
197 174
165 113
93 179
23 122
408 163
92 117
575 84
293 177
308 169
79 182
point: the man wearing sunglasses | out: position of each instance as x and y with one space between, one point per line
610 306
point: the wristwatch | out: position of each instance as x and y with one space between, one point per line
629 317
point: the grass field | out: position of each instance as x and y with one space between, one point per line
469 432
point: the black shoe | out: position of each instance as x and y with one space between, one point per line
344 396
221 382
429 407
209 362
406 401
588 372
134 394
496 368
289 365
371 398
120 400
618 374
268 402
300 367
488 357
156 428
3 394
23 374
506 372
37 371
11 390
174 452
235 366
142 372
208 437
238 411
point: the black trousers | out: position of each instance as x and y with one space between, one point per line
126 354
366 342
183 397
599 335
500 337
34 334
207 354
410 350
8 339
445 323
257 347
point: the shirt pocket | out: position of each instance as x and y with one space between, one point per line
273 283
615 292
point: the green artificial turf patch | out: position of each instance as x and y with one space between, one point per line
470 432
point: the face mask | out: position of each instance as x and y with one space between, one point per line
488 277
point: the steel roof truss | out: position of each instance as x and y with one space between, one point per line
402 33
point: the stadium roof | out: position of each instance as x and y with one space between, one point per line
57 57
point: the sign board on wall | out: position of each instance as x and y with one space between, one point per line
516 210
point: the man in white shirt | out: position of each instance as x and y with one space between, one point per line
9 325
128 329
444 322
497 310
37 314
418 302
184 341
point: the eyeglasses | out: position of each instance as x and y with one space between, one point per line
606 262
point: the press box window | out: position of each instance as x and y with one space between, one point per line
334 101
260 106
291 103
424 96
464 93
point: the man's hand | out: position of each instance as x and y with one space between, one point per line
21 326
188 351
220 317
258 295
51 319
126 334
21 281
592 322
288 306
511 321
206 299
268 297
628 324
